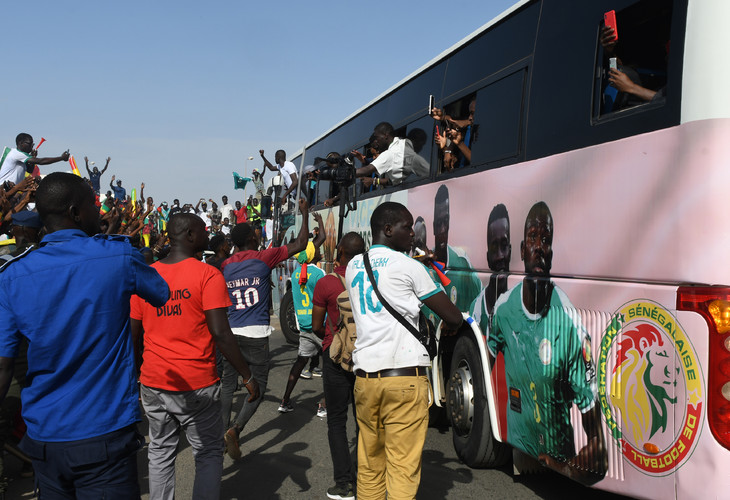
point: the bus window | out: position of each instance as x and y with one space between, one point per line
633 57
420 133
456 133
499 115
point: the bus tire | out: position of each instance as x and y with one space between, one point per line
287 319
468 412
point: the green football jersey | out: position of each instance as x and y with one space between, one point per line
302 296
549 367
465 284
478 311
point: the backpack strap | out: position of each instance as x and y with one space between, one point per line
388 307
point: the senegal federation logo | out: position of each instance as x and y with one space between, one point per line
650 387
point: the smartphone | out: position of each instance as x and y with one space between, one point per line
612 63
431 103
609 19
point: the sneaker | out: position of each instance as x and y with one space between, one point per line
321 411
317 372
341 491
285 407
232 446
306 374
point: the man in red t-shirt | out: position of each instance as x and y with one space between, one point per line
179 378
338 383
241 213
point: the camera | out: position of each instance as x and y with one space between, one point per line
339 169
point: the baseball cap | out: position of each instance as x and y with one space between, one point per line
26 218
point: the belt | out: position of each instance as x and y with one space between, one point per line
412 371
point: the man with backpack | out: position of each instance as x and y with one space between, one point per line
329 294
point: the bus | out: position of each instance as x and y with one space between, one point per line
576 166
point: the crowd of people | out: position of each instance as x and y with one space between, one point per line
170 306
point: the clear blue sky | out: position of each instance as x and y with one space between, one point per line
179 93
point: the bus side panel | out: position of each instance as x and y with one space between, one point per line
643 209
640 382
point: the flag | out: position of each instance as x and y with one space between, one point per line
239 182
74 168
134 200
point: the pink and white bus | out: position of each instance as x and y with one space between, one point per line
580 213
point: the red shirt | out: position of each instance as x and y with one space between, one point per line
241 216
179 352
325 295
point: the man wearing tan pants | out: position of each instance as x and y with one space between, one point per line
391 387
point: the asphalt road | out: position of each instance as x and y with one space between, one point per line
287 456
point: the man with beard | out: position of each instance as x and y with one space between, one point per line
499 253
465 284
548 362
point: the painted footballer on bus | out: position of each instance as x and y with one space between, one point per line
548 362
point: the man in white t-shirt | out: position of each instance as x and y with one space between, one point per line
17 161
396 161
391 386
227 209
288 172
202 212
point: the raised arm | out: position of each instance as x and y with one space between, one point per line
321 236
86 160
32 161
108 159
300 242
267 163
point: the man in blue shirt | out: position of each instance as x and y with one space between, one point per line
70 300
120 193
95 175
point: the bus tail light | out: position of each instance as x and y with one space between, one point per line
713 304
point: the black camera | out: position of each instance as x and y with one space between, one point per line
339 169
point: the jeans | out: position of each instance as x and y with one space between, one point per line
100 467
338 386
198 413
256 353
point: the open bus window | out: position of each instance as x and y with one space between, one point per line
455 133
633 65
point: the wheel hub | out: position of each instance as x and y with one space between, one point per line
461 399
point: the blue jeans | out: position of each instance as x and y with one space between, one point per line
99 467
256 353
338 386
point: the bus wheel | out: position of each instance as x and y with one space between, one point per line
287 319
468 412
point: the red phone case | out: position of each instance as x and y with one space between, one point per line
609 19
